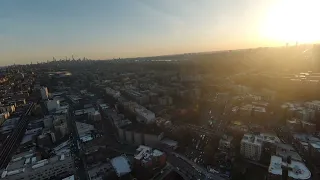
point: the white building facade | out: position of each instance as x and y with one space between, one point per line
31 169
44 93
251 145
145 116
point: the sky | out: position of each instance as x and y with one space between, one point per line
37 30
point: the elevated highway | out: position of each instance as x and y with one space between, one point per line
12 142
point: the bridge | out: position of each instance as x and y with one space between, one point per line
198 168
11 143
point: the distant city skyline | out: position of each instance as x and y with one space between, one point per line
36 30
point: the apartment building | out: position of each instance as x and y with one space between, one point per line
27 166
251 145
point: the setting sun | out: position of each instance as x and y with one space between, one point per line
293 21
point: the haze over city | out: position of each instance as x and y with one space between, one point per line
159 90
38 30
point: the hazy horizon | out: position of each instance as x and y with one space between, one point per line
37 30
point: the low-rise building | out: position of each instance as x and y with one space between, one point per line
84 128
168 143
98 171
286 150
96 116
147 157
251 145
85 131
225 143
249 110
294 124
301 142
315 105
309 127
27 166
121 165
44 140
237 127
305 114
165 100
314 152
48 121
103 106
139 97
281 168
143 115
69 178
113 93
53 104
131 134
62 128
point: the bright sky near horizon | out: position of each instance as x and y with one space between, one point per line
37 30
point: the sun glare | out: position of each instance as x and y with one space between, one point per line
290 21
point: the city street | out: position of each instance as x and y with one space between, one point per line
75 147
190 169
195 151
185 168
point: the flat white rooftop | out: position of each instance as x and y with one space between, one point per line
315 145
69 178
297 170
258 139
305 137
285 150
121 165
